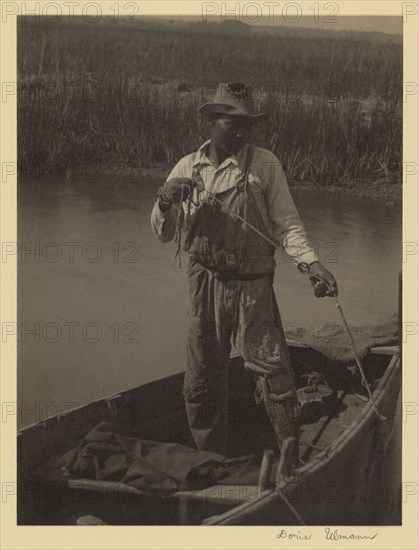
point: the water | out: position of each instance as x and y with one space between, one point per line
132 301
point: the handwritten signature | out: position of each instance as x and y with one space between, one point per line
292 535
330 534
335 535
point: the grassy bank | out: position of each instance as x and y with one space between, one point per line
110 93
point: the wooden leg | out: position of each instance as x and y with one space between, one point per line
265 470
183 511
288 458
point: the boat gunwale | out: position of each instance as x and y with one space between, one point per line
101 400
105 400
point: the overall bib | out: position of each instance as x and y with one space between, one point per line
231 299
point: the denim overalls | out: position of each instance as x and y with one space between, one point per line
231 299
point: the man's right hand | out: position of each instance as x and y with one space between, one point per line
174 190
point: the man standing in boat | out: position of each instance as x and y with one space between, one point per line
232 201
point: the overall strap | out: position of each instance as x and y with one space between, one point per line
248 161
242 182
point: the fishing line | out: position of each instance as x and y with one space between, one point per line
305 268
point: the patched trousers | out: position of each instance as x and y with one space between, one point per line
222 312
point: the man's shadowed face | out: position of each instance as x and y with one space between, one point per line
230 133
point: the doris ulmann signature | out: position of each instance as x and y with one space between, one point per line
329 534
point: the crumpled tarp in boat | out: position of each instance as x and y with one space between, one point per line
152 466
333 343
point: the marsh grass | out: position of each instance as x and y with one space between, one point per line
108 93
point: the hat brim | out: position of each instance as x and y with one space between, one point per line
223 109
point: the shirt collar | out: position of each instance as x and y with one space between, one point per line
237 160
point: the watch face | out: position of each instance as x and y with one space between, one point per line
303 267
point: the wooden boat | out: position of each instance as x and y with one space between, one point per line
341 478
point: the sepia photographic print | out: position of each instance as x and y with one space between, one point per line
214 276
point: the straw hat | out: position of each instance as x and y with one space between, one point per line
232 99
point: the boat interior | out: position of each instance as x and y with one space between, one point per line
332 399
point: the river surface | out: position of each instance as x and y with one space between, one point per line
101 309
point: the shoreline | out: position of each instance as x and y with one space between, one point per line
392 192
126 172
379 189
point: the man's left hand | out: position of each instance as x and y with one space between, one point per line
318 275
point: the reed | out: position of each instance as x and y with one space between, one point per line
109 93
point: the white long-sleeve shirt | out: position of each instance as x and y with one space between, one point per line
273 198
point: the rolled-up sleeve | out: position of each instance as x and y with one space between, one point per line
288 230
163 224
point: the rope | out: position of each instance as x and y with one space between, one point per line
181 221
177 237
236 215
